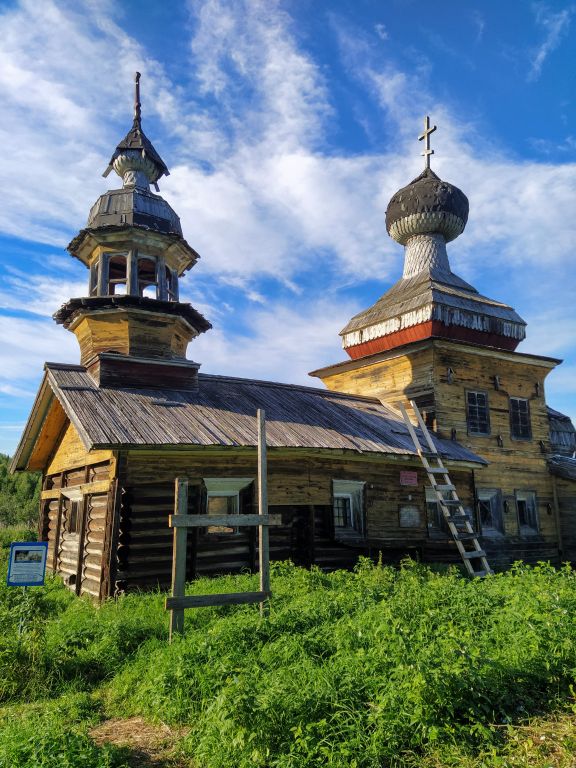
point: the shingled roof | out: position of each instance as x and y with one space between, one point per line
222 413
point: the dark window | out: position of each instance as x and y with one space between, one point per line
437 525
520 419
490 511
73 517
477 413
527 511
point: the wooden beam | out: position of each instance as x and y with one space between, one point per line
230 521
179 557
263 536
102 486
206 601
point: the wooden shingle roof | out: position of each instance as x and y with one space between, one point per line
222 413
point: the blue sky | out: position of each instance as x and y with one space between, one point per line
287 126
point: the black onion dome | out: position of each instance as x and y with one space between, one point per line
427 205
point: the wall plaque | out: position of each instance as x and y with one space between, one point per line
408 478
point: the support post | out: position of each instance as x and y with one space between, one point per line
263 535
179 556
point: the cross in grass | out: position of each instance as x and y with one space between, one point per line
426 135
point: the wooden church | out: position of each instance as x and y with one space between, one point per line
111 434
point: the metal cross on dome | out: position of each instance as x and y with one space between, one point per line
426 135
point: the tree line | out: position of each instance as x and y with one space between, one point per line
19 496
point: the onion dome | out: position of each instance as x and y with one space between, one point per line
427 205
138 164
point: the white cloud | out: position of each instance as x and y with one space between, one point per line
273 202
27 344
382 32
282 343
554 26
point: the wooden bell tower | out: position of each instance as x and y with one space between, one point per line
131 326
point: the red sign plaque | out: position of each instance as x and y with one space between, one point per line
408 478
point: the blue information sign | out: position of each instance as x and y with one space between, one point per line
27 564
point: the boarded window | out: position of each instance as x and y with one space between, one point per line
520 428
490 511
477 413
527 512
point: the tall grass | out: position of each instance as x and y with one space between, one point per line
365 669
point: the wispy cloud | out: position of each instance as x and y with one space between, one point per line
259 195
555 24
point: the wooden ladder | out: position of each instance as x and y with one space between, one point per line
458 521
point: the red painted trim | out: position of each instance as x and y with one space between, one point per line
432 328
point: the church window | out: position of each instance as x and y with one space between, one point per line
223 498
147 282
527 512
490 511
348 508
478 415
520 428
117 275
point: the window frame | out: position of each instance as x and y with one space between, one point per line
495 498
528 416
527 529
225 488
470 431
113 282
348 497
353 490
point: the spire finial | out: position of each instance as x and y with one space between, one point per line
426 135
137 105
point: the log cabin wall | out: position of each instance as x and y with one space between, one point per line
75 504
517 468
300 488
566 500
438 375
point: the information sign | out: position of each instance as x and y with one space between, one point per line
27 564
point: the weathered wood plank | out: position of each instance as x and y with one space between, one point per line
205 601
263 538
100 486
231 521
179 556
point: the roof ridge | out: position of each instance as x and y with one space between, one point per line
286 385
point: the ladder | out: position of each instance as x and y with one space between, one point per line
458 521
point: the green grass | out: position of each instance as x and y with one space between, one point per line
380 667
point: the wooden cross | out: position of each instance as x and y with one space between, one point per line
426 135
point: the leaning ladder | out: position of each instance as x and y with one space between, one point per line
458 521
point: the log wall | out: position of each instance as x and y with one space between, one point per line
438 375
76 478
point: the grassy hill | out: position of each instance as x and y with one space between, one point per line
380 667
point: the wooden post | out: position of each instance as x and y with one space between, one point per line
179 556
263 536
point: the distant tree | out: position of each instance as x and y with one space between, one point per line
19 495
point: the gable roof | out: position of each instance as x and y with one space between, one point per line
222 413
